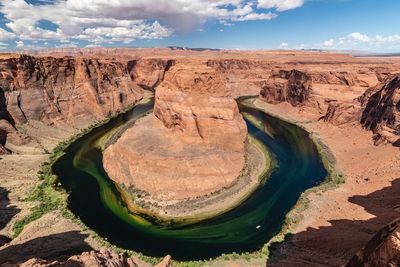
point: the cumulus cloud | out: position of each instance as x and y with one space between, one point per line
24 21
108 21
283 45
357 40
6 35
329 43
358 37
19 44
280 5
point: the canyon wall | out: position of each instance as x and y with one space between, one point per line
74 92
382 111
291 86
148 73
61 92
194 105
382 250
370 99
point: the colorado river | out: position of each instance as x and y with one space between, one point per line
247 227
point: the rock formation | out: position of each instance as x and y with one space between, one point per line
196 125
63 92
193 145
382 111
78 87
382 250
287 86
102 258
149 72
377 108
339 113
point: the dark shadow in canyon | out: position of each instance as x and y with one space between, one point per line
52 247
7 212
4 115
336 244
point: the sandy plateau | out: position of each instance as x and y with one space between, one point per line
351 104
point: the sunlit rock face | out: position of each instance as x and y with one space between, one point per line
192 145
63 92
382 111
287 86
382 250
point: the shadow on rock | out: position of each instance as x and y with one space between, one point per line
336 244
52 247
7 212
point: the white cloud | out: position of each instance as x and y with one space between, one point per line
92 45
280 5
6 35
329 43
283 45
360 41
108 21
256 16
358 37
19 44
3 45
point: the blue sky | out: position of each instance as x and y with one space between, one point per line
371 25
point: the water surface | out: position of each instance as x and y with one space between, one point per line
247 227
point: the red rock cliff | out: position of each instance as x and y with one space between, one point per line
382 111
64 92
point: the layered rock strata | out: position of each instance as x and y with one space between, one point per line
193 144
292 86
60 92
382 111
377 108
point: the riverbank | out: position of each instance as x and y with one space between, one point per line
37 223
248 256
256 255
258 164
294 149
357 209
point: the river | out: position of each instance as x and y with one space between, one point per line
95 200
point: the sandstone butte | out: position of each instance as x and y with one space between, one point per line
352 103
193 144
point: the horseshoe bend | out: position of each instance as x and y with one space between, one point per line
199 157
193 145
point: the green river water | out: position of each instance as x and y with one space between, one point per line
245 228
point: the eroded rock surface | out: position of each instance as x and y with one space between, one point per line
94 258
382 250
149 72
340 113
193 144
382 111
377 106
60 92
292 86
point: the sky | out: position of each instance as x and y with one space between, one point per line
367 25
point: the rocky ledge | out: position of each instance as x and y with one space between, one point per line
382 250
102 258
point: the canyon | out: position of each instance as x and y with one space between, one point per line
191 147
195 141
